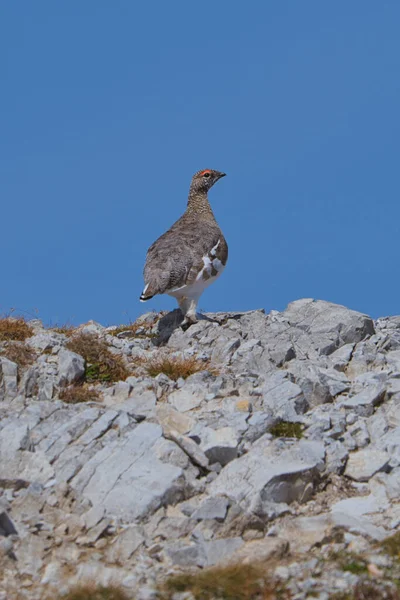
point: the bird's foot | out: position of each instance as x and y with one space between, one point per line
188 321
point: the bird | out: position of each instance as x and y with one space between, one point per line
191 255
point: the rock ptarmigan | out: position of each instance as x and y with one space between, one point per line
191 254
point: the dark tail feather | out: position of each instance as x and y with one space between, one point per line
144 298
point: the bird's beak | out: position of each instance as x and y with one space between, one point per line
221 175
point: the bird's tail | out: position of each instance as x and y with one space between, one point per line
146 294
144 298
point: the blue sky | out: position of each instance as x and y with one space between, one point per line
108 108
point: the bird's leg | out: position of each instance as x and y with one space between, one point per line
188 307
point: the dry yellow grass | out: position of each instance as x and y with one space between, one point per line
66 329
19 353
175 367
102 364
14 329
95 592
232 582
74 394
141 330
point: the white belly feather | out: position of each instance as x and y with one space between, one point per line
211 270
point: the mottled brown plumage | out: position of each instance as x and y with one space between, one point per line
191 254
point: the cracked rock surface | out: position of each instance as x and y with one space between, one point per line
286 446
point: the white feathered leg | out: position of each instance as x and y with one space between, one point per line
188 307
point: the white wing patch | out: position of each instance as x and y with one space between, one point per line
211 265
213 251
211 270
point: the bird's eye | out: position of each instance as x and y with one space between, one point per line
206 175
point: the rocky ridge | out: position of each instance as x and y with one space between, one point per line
286 448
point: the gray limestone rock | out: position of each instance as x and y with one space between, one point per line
128 479
275 471
172 420
220 550
187 555
138 406
18 464
219 445
214 507
71 367
362 465
327 326
363 402
161 474
336 457
126 543
319 385
283 398
8 379
190 396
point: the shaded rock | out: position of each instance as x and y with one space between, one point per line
219 445
7 527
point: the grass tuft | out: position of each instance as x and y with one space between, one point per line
95 592
14 329
19 353
367 589
350 562
101 364
66 329
136 329
287 429
391 545
232 582
74 394
175 367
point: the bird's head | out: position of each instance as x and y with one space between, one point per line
202 181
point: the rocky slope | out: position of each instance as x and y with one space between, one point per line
285 449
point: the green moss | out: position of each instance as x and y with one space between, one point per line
95 372
287 429
355 567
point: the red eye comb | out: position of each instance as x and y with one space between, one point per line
205 171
